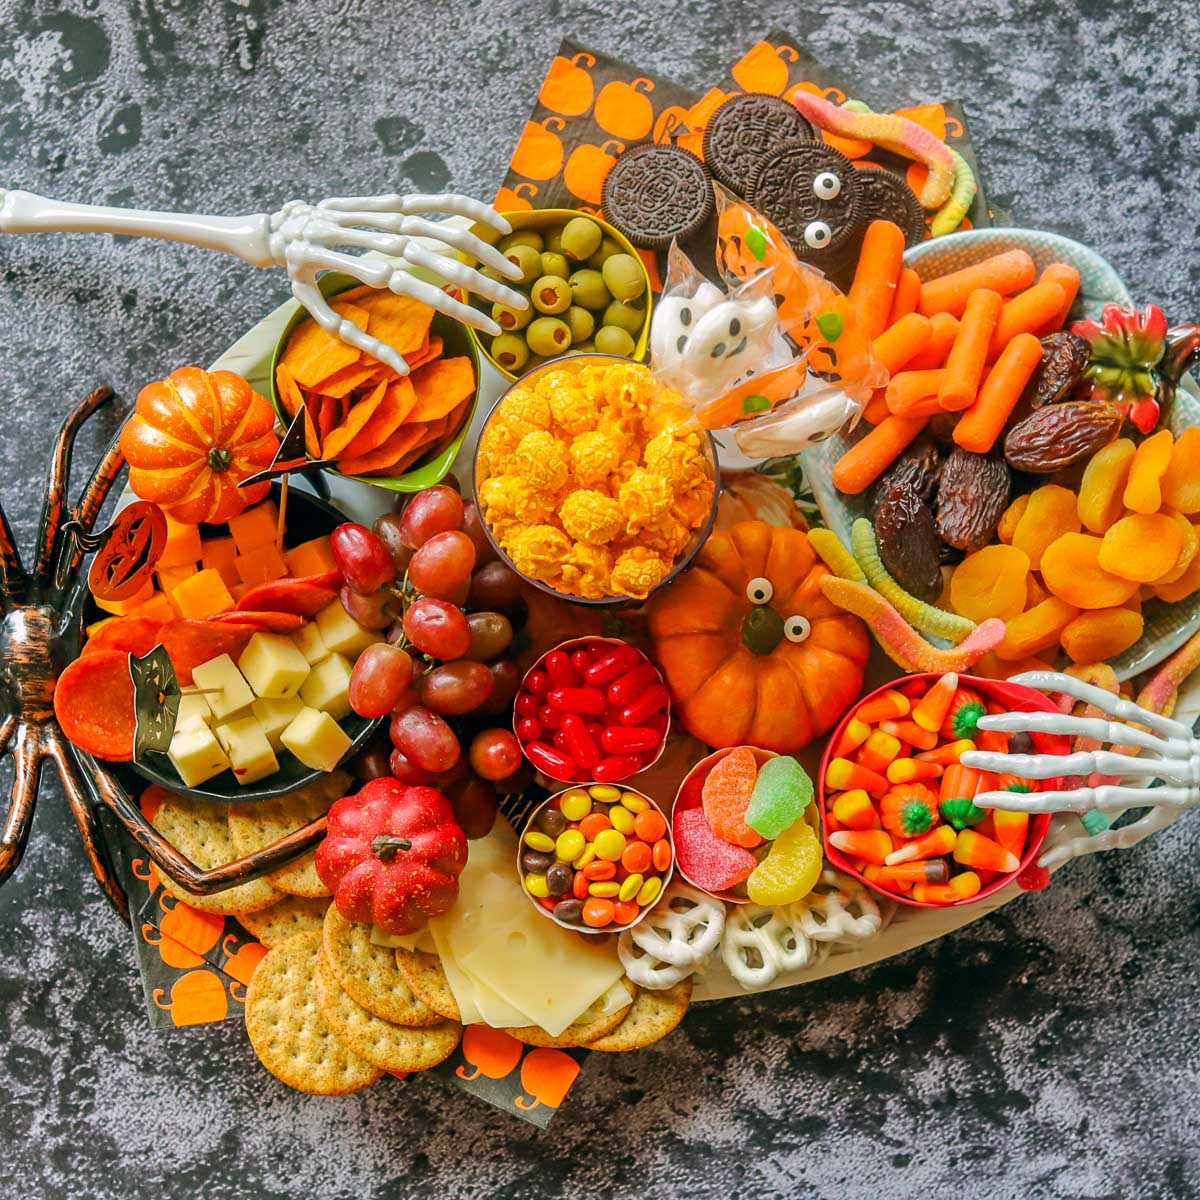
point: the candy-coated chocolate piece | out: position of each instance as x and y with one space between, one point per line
607 888
551 821
536 885
621 818
637 858
569 845
568 911
575 804
650 825
604 793
610 843
630 887
559 879
650 891
599 869
539 841
634 802
598 912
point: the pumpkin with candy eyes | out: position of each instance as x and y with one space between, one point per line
752 652
192 438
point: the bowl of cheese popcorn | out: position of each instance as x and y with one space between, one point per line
594 481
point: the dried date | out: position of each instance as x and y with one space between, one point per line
972 496
1059 435
908 542
918 467
1064 356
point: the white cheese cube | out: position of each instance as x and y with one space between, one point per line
327 687
273 666
342 634
308 640
193 710
250 753
196 755
275 716
316 739
224 688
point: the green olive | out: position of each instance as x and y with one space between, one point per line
608 247
511 318
581 237
624 276
527 259
522 237
582 348
611 339
580 322
552 239
548 336
624 316
510 351
555 264
551 294
588 290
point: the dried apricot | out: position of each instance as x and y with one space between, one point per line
1037 629
991 667
1010 519
1141 546
1143 491
1034 592
1051 512
1102 492
990 583
1190 544
1181 483
1183 587
1100 634
1071 570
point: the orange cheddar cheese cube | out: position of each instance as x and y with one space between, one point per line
169 578
220 554
157 608
260 566
310 558
203 595
122 608
183 545
255 527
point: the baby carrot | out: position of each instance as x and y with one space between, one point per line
902 341
907 387
1025 313
1067 278
877 409
875 277
981 424
866 460
1005 273
908 292
923 406
964 365
943 329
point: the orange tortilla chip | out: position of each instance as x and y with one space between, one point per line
313 355
312 441
383 456
352 423
398 399
441 386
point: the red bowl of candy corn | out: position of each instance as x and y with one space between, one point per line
897 804
593 709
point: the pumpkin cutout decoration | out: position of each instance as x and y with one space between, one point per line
567 88
489 1052
752 652
624 110
517 199
588 168
764 68
197 998
539 153
192 438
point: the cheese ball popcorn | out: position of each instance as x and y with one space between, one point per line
593 479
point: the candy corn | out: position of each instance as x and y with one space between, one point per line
854 810
879 750
951 752
885 707
844 775
1011 828
853 736
937 841
932 708
871 845
910 732
908 770
961 887
974 850
932 870
872 872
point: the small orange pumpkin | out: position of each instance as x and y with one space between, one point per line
752 652
193 438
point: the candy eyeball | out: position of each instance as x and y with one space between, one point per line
827 186
760 591
796 628
817 235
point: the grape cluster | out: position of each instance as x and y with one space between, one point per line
429 576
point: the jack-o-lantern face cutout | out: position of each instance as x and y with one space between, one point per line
126 551
197 998
567 88
624 110
490 1052
547 1076
764 68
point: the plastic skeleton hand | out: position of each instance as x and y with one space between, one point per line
301 237
1170 753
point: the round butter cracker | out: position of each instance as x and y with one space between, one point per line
651 1016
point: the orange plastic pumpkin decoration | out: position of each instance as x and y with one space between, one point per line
623 110
752 652
567 88
191 440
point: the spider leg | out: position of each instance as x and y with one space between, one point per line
85 819
59 479
12 573
88 509
28 755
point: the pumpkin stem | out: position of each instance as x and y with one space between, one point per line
387 845
219 459
762 629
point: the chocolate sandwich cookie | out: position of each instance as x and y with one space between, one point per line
744 130
886 197
656 193
811 192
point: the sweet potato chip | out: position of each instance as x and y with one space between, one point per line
289 394
440 387
381 458
352 423
364 373
400 321
329 413
312 354
312 406
393 409
424 354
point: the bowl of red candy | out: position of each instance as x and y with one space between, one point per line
898 804
592 708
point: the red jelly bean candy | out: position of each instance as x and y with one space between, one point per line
580 661
615 663
553 762
527 705
529 729
620 740
626 689
558 668
579 743
615 767
537 682
648 703
584 701
550 717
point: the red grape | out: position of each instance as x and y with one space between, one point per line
407 772
437 628
443 564
425 739
375 611
491 635
456 688
387 530
473 526
435 510
379 679
506 679
474 805
362 558
494 753
523 777
374 762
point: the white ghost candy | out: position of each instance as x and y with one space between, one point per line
727 342
674 320
797 424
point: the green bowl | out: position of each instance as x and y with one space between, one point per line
457 343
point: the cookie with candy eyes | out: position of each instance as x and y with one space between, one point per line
812 194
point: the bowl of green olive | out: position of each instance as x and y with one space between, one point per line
588 290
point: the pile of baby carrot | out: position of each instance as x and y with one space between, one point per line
964 343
